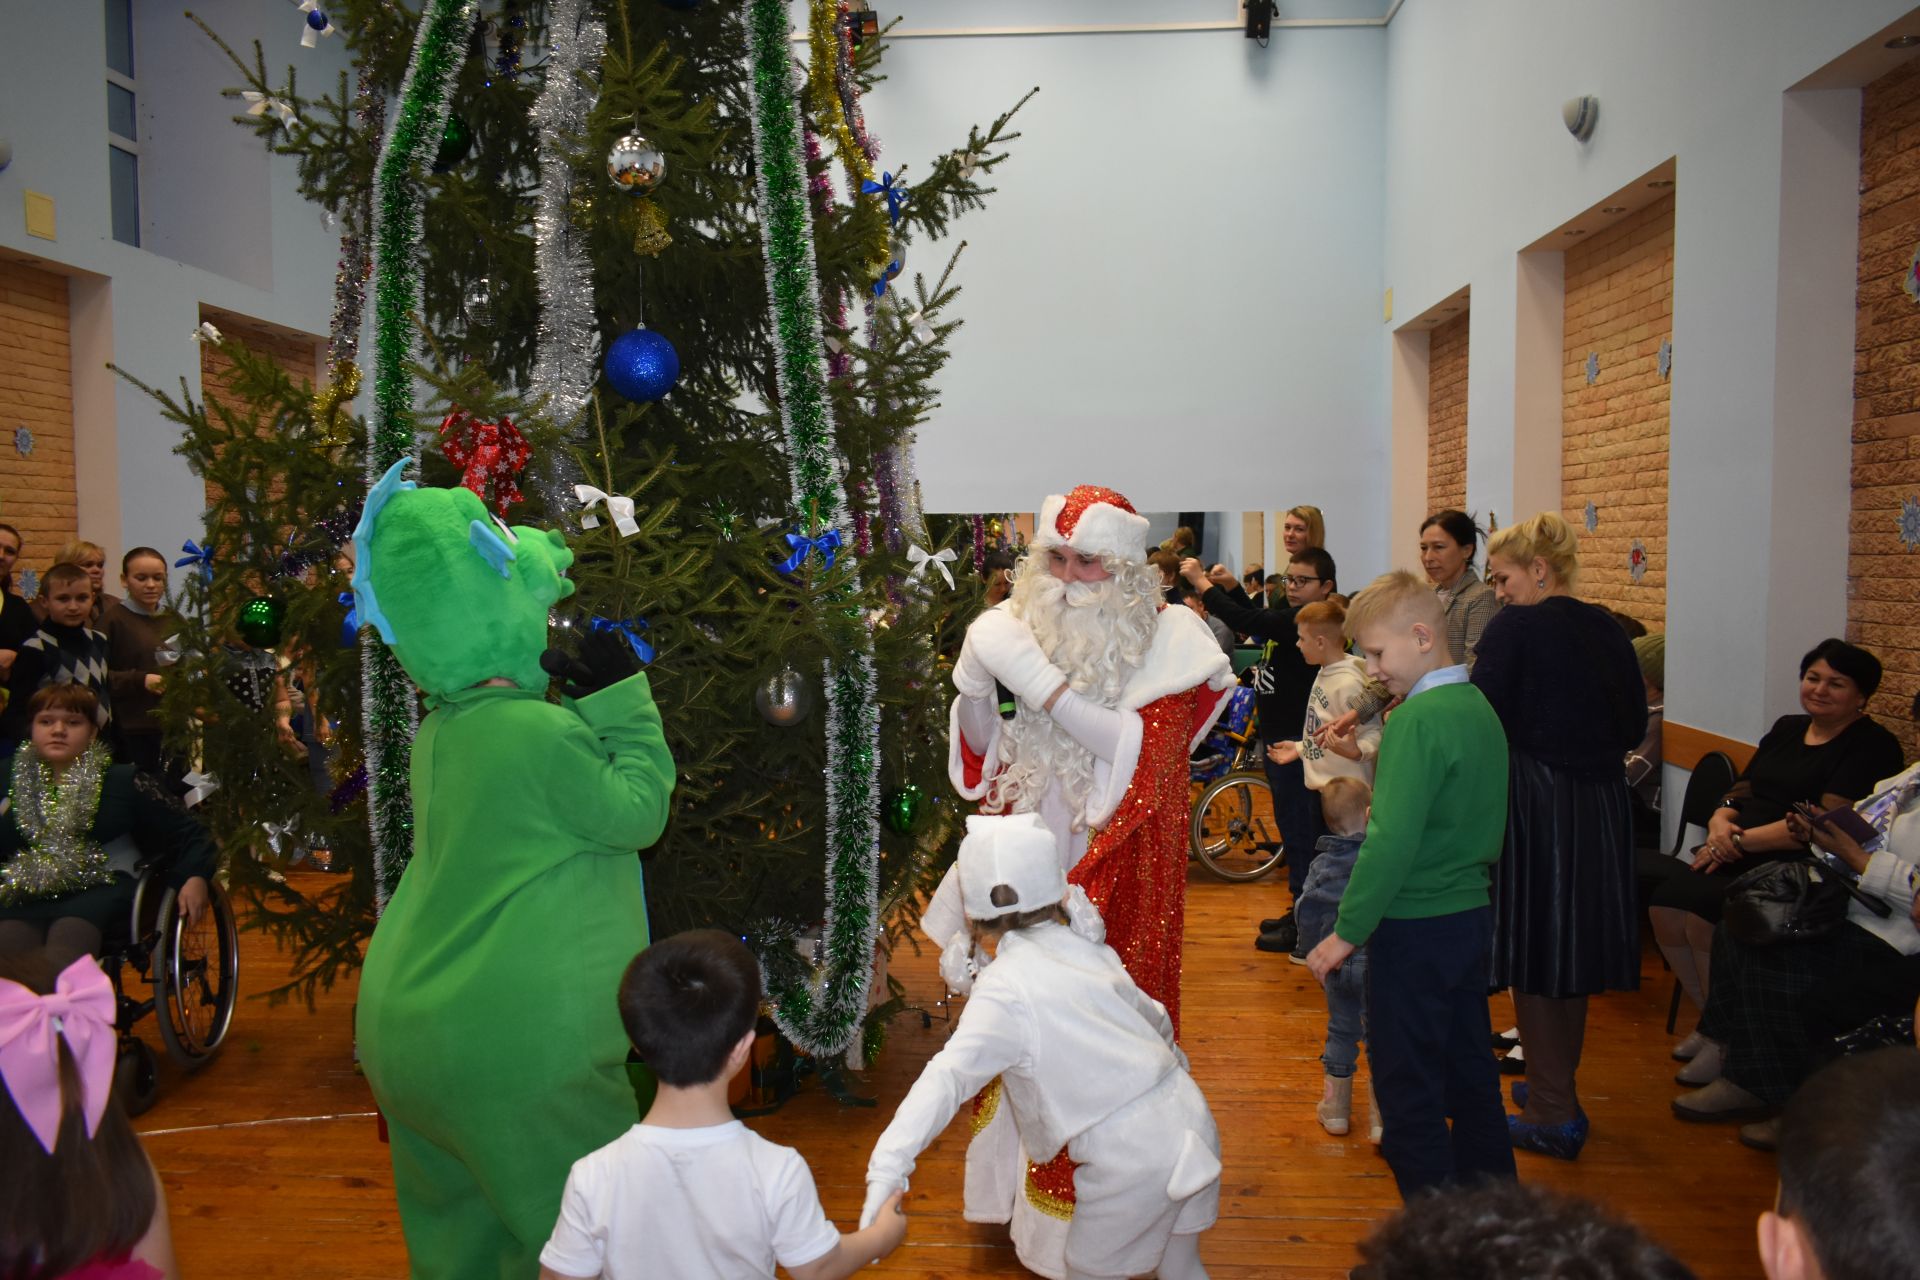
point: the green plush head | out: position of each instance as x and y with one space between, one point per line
459 596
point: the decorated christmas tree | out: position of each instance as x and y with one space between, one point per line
631 272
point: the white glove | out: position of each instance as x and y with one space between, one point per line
1005 646
878 1193
971 679
957 965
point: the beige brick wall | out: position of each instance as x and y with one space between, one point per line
295 353
1619 305
1883 573
37 493
1447 415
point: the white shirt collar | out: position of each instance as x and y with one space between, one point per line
1434 679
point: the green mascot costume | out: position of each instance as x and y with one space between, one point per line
487 1022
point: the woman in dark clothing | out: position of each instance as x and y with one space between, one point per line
1829 757
73 827
1562 677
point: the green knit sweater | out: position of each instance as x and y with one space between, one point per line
1439 813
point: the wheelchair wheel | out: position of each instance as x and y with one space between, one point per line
1234 832
196 971
136 1076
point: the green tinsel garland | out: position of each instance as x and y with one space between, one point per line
419 119
821 1012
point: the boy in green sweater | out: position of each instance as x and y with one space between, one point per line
1418 900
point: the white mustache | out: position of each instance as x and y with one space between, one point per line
1081 594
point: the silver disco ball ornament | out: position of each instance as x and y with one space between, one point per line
636 165
784 698
479 302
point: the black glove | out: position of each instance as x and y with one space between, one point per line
605 660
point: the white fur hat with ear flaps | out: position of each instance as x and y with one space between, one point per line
1016 851
1093 520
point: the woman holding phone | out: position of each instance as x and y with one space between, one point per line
1830 757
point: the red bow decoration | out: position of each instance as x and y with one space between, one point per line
490 456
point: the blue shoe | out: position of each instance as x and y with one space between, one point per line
1561 1141
1519 1091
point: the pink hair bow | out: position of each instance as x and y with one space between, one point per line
80 1011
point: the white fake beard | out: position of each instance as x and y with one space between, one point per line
1098 634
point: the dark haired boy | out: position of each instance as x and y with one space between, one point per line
1849 1174
63 649
690 1191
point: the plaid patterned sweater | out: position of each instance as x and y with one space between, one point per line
55 654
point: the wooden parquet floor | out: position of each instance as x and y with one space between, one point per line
273 1166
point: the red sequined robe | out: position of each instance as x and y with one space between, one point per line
1135 870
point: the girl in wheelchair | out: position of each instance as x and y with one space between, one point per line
79 1197
74 828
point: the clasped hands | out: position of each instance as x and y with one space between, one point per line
1001 647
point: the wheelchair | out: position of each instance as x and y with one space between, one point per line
1233 832
192 977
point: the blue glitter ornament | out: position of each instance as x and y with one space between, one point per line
641 365
317 20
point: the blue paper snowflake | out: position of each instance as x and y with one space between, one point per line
1593 367
29 583
1593 517
1665 361
1910 521
23 442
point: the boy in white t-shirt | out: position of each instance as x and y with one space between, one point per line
690 1193
1340 687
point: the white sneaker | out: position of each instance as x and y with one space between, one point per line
1374 1127
1336 1105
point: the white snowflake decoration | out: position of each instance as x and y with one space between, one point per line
1910 521
29 583
1593 517
23 442
1665 361
1593 367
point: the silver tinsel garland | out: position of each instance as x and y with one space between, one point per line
55 815
566 356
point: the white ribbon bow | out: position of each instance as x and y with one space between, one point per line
309 38
619 508
922 331
199 787
206 333
919 559
969 161
258 104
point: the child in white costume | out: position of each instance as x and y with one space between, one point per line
1086 1060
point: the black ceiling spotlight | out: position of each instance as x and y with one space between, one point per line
1260 14
862 23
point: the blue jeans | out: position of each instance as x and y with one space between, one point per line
1297 810
1346 1015
1427 1034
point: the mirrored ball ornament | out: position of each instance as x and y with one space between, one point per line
784 698
635 164
903 807
479 302
455 143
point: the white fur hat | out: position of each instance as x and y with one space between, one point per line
1094 521
1016 850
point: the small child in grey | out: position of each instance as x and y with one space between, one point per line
1344 803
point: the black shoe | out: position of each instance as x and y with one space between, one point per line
1283 933
1511 1066
1272 942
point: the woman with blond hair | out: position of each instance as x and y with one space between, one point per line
1562 677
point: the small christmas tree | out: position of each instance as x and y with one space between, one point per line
631 254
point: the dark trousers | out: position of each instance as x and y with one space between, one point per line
1297 811
1428 1028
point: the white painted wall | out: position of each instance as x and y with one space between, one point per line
1479 165
1176 290
211 198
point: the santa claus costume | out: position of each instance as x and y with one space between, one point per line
1112 691
1087 1061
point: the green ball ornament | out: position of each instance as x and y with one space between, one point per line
261 621
455 143
903 807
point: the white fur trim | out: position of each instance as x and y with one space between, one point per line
1110 781
1103 529
957 765
1183 654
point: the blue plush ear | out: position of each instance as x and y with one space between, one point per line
377 498
492 547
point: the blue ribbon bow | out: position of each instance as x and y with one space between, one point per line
826 544
629 629
202 556
350 629
886 277
895 196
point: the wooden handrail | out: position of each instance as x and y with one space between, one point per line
1682 745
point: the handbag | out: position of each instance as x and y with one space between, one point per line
1785 901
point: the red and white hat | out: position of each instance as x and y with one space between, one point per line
1093 520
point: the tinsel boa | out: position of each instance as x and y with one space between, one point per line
55 815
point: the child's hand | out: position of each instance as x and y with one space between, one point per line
1342 738
880 1194
1346 723
890 1228
1284 752
153 682
1328 956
